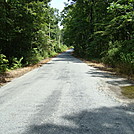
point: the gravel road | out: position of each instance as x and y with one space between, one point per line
64 96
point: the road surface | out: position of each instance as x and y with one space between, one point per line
63 96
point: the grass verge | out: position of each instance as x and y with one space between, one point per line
128 91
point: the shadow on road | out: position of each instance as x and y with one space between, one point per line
115 120
111 79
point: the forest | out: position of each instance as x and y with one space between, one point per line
101 30
29 32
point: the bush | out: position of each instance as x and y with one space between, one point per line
34 56
16 63
121 55
59 47
63 48
113 54
3 63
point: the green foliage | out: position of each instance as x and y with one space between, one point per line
3 63
128 91
28 29
103 30
16 63
62 48
121 56
33 57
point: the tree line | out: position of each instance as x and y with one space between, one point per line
101 30
29 32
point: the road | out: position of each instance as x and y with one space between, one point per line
63 96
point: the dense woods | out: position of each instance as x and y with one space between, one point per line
102 30
29 32
98 29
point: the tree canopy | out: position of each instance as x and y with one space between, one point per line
101 29
98 29
29 32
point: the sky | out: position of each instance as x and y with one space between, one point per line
59 4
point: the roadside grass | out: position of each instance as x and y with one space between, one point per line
128 91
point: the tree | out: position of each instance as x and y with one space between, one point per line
102 29
28 29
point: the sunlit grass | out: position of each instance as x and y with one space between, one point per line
128 91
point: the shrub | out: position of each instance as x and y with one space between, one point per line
3 63
121 55
16 63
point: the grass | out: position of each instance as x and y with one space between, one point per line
128 91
